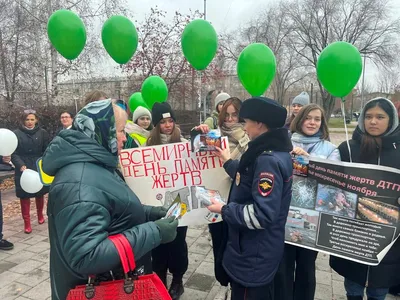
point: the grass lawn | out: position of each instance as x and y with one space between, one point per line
339 123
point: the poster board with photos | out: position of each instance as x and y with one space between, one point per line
344 209
158 174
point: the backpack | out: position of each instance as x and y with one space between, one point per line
215 122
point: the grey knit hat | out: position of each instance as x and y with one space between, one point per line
394 116
221 97
303 99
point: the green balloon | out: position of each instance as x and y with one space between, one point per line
67 33
339 68
199 43
154 89
120 38
135 101
256 68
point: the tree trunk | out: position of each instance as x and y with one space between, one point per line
54 73
328 104
3 67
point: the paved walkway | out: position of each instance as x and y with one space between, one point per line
24 271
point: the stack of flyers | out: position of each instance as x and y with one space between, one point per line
177 208
205 196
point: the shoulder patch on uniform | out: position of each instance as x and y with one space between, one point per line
265 183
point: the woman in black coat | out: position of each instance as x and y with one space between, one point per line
32 142
376 141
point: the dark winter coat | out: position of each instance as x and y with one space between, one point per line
31 146
88 202
386 274
257 209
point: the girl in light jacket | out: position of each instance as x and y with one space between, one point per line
295 279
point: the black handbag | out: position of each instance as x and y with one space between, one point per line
219 237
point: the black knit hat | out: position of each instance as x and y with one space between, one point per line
264 110
160 111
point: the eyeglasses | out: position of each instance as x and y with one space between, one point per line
122 104
231 116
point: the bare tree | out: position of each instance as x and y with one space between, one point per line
26 56
16 58
160 53
368 24
387 80
271 27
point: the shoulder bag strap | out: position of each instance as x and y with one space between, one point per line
128 250
121 252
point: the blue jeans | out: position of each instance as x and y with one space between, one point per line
354 289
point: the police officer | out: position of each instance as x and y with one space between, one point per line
258 204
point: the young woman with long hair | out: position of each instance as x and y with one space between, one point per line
172 256
376 141
296 275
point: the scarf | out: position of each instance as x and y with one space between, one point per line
304 139
30 131
237 139
97 121
274 140
133 128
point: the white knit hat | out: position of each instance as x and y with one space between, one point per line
140 111
221 97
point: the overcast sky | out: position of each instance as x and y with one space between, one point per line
225 15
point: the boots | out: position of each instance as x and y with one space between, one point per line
176 290
39 208
163 277
25 210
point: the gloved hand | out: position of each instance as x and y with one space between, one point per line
167 229
157 212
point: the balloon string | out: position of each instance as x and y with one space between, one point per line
201 99
345 128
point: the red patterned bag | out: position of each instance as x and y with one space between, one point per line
146 287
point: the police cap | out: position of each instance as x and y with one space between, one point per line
264 110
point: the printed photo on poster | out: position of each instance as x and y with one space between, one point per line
301 226
376 211
336 201
304 192
300 165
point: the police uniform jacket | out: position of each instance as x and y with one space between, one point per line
257 209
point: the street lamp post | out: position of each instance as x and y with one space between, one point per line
363 83
201 84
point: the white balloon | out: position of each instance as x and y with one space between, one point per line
8 142
30 181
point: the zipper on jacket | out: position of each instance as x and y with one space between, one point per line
394 145
366 283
